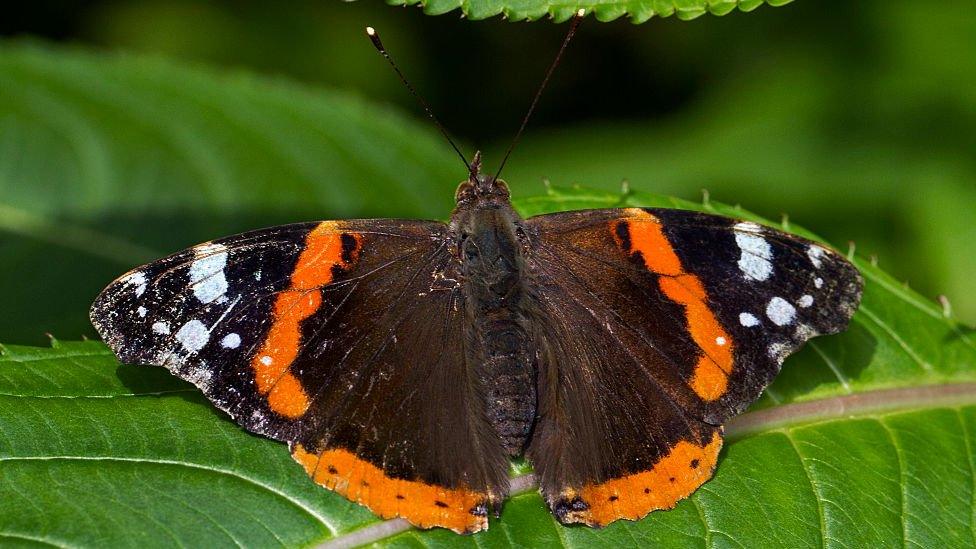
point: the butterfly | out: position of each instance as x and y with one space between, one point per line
405 362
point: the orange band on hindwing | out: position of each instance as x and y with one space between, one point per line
673 478
644 235
421 504
326 247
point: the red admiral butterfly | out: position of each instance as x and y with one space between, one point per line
405 362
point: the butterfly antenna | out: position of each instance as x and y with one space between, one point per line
574 24
374 37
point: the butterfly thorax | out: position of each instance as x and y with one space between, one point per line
490 245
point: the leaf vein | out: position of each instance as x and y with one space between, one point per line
296 503
813 488
902 477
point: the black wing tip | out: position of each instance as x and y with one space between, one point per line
101 314
850 291
98 314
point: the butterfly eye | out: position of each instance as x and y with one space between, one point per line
462 243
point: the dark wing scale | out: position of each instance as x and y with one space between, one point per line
341 338
642 352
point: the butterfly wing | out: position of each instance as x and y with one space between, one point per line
343 339
655 327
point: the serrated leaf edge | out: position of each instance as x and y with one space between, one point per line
605 11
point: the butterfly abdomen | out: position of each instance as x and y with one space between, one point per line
508 374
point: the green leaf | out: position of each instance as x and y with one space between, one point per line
108 161
639 11
864 440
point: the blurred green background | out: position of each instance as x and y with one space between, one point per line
856 119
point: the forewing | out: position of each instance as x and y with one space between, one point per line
656 327
341 338
201 313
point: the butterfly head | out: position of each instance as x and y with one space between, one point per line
487 228
481 189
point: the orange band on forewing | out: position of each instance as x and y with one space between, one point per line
423 505
673 478
647 238
287 397
710 377
322 252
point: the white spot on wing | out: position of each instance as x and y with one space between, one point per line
199 376
815 253
748 227
137 279
818 282
804 332
720 340
754 262
161 328
266 360
748 320
805 301
141 311
778 351
193 335
207 272
231 341
780 311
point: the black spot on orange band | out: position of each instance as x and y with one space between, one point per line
350 248
670 480
421 504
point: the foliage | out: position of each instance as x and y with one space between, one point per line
639 11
